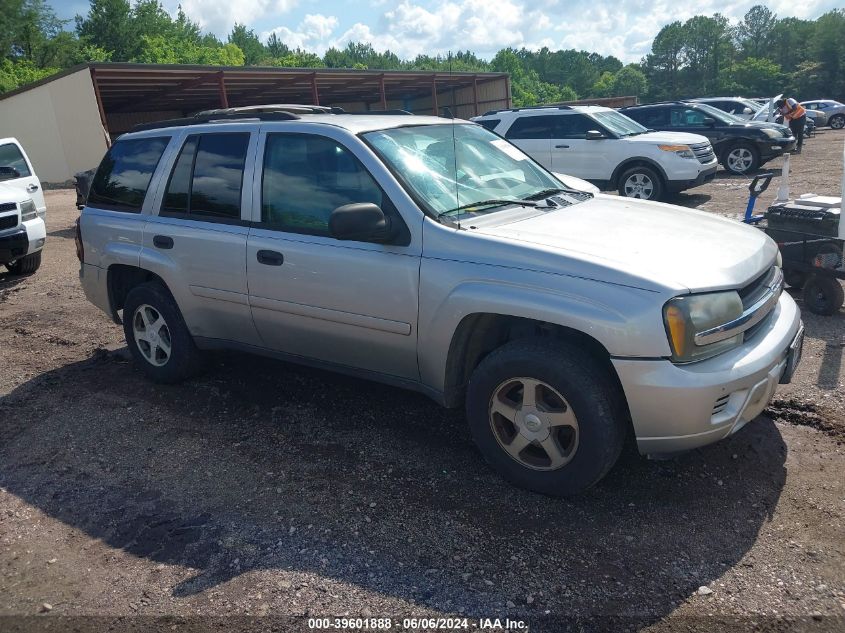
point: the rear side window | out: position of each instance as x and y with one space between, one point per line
10 156
121 181
306 177
490 124
531 127
207 178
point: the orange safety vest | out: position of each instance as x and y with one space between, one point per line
795 113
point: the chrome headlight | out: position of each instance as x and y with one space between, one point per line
772 133
28 210
686 316
683 151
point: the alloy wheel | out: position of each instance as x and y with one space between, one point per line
639 186
740 159
152 336
533 423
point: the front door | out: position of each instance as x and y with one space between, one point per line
574 155
349 303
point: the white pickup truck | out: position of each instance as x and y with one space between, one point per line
22 211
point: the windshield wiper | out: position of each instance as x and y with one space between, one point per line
488 203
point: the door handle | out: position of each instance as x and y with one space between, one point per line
561 146
32 188
270 258
162 241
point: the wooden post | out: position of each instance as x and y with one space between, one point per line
475 93
383 94
507 91
99 100
315 96
224 98
434 105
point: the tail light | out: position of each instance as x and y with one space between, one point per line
77 238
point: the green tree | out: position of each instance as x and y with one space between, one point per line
629 81
108 25
757 76
754 33
275 47
246 40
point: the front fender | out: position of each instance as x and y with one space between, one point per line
626 321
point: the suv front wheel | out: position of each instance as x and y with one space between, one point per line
741 158
641 182
546 416
157 336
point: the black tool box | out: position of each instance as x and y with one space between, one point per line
785 219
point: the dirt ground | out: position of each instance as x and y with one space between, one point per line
266 489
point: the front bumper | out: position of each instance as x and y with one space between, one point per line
680 407
776 147
704 176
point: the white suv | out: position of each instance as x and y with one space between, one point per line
607 148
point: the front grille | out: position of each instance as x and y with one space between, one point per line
753 292
8 206
703 152
8 221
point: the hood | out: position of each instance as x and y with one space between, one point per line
576 183
659 243
12 194
668 138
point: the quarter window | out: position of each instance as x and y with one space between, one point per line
207 178
10 156
306 177
490 124
121 181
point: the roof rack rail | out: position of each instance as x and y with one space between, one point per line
393 112
213 117
539 107
270 108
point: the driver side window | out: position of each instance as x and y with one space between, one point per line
687 117
13 160
306 177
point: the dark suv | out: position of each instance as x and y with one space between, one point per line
742 146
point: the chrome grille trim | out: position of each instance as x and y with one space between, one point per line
703 152
750 317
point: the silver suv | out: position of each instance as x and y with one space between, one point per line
434 255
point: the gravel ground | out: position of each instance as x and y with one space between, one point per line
265 489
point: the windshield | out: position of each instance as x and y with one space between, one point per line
719 115
485 169
619 124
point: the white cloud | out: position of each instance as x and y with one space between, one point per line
219 16
311 34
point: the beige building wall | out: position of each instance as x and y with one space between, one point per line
58 124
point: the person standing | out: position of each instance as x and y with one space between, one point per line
796 115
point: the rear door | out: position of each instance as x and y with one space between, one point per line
574 155
532 133
349 303
20 174
196 240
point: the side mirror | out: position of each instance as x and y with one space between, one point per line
708 121
8 173
360 222
593 135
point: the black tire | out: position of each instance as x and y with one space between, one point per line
650 183
823 295
746 161
795 278
184 359
837 121
26 265
594 398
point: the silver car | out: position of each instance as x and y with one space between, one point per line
434 255
833 111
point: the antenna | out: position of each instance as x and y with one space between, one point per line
454 146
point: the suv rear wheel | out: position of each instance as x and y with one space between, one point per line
157 336
640 182
741 158
546 416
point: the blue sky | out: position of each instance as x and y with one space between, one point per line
409 27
